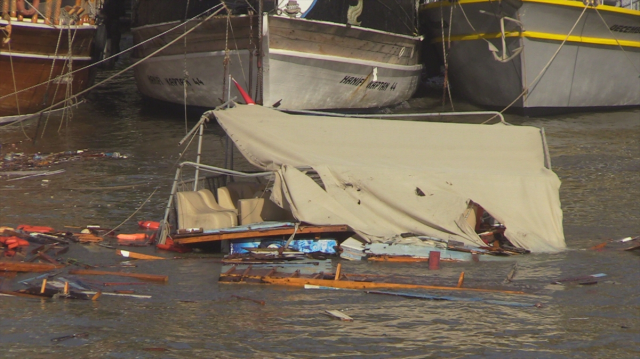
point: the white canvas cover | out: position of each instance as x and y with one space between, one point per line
384 178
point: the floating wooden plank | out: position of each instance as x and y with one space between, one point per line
398 259
187 239
87 237
135 255
261 302
578 279
338 315
301 282
27 267
152 277
447 298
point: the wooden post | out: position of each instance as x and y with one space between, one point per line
14 8
434 260
56 12
66 287
47 11
5 8
44 285
338 269
461 280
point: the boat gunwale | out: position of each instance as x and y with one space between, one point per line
48 26
366 29
570 3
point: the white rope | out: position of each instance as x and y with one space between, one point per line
544 69
118 54
124 70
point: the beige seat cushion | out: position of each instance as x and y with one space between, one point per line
255 210
200 210
228 196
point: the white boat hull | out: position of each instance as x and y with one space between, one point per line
294 76
596 67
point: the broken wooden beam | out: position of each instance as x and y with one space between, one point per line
185 238
27 267
152 277
300 282
135 255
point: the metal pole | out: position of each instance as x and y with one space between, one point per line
195 180
164 225
229 152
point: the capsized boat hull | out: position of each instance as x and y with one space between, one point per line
306 65
597 67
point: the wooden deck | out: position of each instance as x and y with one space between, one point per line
261 233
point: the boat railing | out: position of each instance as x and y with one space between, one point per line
404 115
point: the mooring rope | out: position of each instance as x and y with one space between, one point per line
124 70
132 214
544 69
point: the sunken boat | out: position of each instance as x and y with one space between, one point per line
367 179
297 54
539 56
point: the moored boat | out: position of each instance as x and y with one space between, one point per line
40 49
539 56
301 55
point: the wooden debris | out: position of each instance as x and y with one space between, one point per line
152 277
66 337
88 292
27 267
261 302
338 315
301 282
512 274
87 237
397 259
579 279
448 298
135 255
461 280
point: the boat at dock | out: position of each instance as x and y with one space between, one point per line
296 55
41 49
539 56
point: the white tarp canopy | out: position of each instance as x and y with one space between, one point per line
384 178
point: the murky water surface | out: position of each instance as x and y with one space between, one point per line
596 155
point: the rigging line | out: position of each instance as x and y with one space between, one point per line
62 78
618 42
238 53
185 74
46 91
412 29
68 110
544 69
133 214
126 69
449 48
120 53
444 56
13 75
